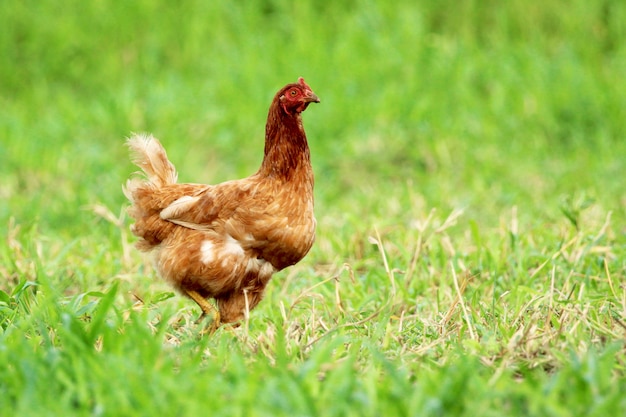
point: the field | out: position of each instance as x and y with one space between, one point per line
470 194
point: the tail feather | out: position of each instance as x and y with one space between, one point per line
149 155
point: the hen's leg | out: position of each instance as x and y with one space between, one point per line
207 309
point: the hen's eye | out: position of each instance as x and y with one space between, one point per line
293 92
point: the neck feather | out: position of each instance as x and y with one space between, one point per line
286 148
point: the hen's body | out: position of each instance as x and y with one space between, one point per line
225 241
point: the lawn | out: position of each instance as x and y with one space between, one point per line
471 244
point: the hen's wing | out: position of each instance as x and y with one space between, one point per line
229 203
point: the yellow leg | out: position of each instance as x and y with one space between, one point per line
207 309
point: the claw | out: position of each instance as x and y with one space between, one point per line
207 309
212 326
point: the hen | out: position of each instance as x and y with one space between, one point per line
225 241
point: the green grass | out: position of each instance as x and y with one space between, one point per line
469 161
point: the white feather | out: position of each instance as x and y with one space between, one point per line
208 254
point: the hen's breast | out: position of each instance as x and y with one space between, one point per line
287 231
289 244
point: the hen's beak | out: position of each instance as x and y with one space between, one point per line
311 98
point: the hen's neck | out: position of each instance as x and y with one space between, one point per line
286 148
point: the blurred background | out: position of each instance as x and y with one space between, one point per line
471 240
479 105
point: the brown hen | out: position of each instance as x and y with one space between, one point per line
225 241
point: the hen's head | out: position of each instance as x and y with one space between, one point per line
295 98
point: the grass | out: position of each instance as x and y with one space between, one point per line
469 195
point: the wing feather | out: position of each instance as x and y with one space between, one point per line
179 207
209 207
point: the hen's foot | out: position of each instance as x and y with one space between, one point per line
213 325
207 310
